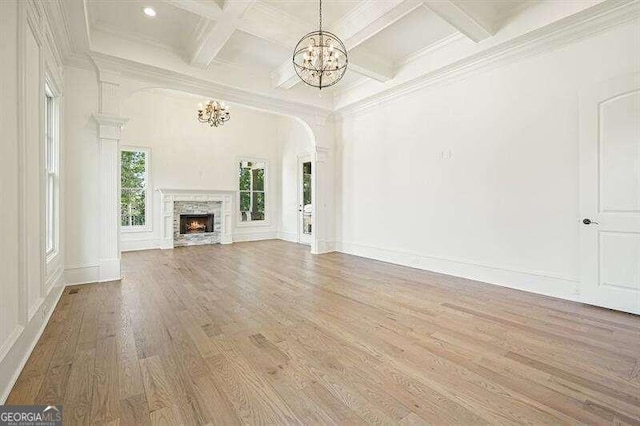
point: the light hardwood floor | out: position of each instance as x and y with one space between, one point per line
266 333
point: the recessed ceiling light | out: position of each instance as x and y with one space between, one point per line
149 11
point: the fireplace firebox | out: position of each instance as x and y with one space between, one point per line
196 223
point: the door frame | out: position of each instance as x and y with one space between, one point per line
305 158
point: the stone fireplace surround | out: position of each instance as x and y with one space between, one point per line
176 201
196 208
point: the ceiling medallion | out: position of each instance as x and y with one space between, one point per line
320 58
213 113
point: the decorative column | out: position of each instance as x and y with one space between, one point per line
109 126
323 193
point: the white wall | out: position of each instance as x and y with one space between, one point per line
30 284
478 178
8 170
295 141
186 154
82 167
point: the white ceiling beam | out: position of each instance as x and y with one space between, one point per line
80 34
271 24
369 65
212 41
284 76
359 25
370 18
469 25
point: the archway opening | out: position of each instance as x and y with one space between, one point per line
182 153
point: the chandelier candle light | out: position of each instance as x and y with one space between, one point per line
320 58
213 113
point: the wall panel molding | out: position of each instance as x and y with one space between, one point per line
15 356
38 285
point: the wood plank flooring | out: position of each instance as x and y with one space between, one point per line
266 333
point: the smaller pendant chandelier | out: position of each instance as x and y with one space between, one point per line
320 58
213 113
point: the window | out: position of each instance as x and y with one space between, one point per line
134 203
51 169
252 175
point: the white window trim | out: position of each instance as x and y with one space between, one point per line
148 207
50 89
238 214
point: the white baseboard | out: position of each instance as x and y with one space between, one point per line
534 282
288 236
324 246
137 245
81 274
110 270
321 246
254 236
23 340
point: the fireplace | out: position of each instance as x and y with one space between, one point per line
196 223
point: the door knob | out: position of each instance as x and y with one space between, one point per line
588 221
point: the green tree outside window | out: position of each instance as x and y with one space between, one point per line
252 190
133 196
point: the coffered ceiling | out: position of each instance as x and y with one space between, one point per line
172 28
248 43
262 33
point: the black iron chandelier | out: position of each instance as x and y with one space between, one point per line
214 113
320 58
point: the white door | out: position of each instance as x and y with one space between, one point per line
305 205
610 194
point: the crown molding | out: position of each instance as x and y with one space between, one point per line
562 32
565 31
58 29
163 78
79 60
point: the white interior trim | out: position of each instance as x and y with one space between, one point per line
539 282
17 350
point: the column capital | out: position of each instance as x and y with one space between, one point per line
321 153
109 126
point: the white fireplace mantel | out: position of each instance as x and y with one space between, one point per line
169 196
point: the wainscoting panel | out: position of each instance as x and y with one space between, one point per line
23 341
